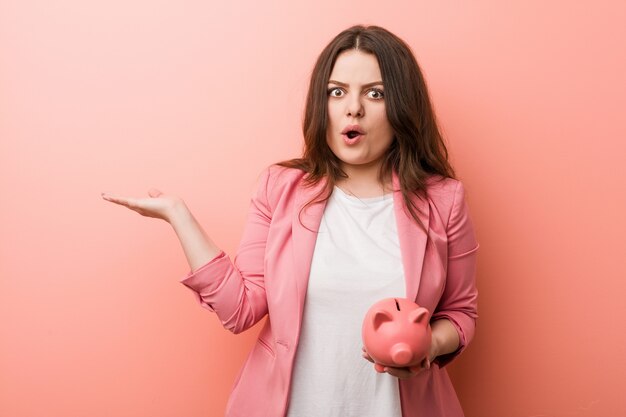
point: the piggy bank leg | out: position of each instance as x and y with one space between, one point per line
379 368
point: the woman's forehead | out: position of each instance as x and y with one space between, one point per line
356 67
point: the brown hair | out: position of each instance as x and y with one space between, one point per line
417 150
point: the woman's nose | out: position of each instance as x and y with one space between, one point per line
355 108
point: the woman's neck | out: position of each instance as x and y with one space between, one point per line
364 182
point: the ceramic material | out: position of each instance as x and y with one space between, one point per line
396 332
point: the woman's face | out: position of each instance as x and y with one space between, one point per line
358 132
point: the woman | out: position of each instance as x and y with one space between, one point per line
371 210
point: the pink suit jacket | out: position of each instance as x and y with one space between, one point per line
270 272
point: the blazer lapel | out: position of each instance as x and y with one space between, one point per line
304 238
412 238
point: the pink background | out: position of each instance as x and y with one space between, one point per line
195 98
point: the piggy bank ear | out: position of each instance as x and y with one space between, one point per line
418 315
381 317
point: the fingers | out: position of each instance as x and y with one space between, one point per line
130 202
153 192
118 200
366 355
402 373
111 198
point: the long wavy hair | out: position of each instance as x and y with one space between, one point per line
417 150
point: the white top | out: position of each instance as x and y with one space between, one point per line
356 263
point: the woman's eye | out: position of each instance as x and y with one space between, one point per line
335 92
376 94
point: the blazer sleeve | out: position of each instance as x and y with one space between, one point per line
459 300
235 290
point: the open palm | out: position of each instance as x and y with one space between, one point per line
157 205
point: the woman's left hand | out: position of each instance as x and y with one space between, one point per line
404 372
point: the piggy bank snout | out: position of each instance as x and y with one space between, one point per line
401 353
396 332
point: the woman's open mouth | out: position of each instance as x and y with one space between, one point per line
352 137
352 134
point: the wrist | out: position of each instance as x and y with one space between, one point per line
178 212
435 347
445 338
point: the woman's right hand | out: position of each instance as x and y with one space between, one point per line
158 205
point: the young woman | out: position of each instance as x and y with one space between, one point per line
371 210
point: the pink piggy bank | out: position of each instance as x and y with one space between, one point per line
396 332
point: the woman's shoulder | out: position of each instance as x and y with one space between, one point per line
442 188
276 178
439 183
281 174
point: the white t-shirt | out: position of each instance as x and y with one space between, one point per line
356 262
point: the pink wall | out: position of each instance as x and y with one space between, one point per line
196 98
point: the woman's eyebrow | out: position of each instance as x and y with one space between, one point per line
346 85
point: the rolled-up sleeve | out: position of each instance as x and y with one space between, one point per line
459 301
235 290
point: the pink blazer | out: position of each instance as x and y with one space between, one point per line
270 272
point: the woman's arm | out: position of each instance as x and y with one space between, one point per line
445 338
234 290
198 247
458 304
